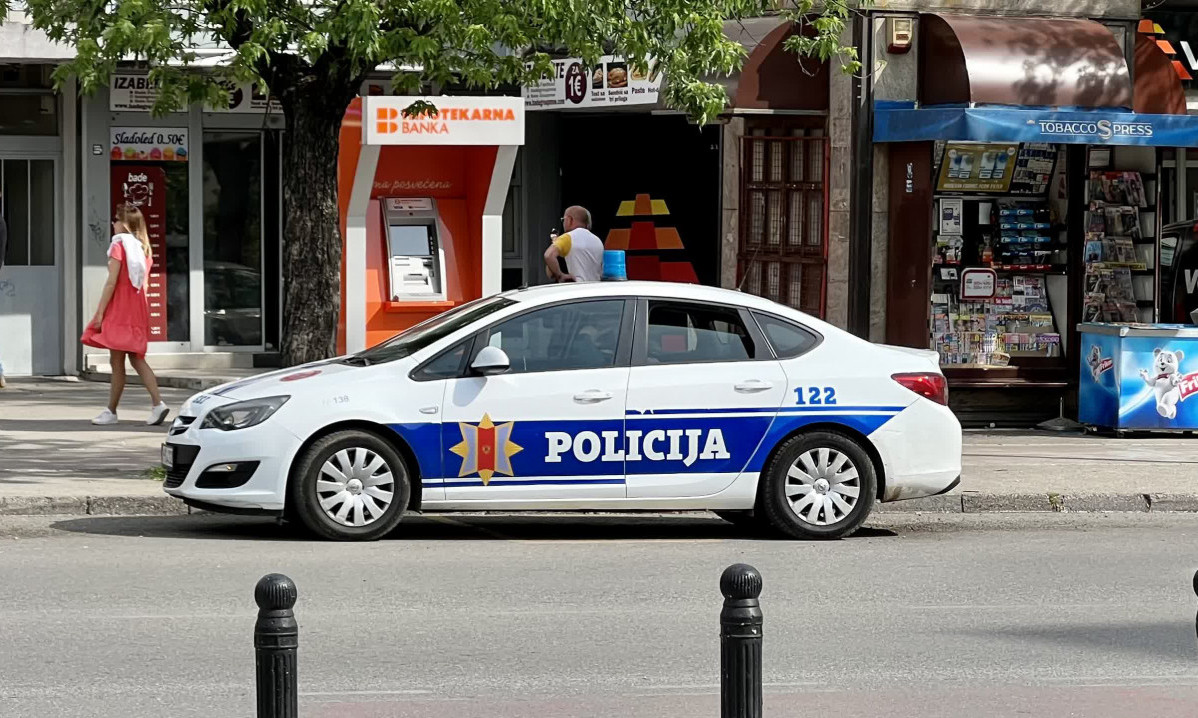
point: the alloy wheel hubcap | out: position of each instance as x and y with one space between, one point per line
355 487
822 486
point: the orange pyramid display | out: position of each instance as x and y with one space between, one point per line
644 243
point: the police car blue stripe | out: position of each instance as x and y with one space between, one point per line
840 409
530 482
650 413
562 451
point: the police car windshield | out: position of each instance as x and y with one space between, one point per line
431 330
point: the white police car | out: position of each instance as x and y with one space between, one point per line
601 396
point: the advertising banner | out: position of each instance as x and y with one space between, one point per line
153 144
134 92
901 122
1098 382
144 186
611 82
977 168
456 121
1140 378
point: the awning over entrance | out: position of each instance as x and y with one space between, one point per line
903 122
772 77
1060 62
996 79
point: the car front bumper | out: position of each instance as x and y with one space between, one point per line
239 471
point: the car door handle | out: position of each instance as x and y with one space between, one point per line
752 386
592 396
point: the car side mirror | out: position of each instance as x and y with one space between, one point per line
490 360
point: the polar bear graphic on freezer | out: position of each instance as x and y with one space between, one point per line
1164 380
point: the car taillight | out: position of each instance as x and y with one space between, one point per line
929 386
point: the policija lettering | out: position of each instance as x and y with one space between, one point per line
587 446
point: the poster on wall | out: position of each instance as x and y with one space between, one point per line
976 167
144 187
153 144
611 82
951 215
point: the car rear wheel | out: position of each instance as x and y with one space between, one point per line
819 485
350 486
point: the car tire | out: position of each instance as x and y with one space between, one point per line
350 486
809 485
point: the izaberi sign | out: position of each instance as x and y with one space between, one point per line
902 122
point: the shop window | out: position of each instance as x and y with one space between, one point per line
782 252
27 206
29 101
233 238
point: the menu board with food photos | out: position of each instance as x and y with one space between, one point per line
613 81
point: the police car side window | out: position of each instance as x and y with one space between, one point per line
690 333
579 335
448 364
788 340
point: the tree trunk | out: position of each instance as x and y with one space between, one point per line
311 230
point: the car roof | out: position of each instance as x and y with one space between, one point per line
545 293
581 290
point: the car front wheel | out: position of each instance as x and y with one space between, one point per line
819 485
350 486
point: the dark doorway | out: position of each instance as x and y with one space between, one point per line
612 164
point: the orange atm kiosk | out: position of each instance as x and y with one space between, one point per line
421 202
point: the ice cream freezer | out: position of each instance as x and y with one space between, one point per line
1139 376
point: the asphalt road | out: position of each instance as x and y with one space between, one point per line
936 617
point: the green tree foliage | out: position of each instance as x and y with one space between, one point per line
313 56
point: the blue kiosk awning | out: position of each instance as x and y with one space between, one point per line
905 122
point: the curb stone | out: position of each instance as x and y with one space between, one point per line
174 382
1172 502
92 506
965 502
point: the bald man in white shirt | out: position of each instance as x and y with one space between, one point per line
581 249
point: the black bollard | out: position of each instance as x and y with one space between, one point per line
276 640
1196 593
740 643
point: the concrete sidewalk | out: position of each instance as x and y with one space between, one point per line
53 461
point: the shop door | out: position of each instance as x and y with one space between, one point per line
30 281
782 254
234 294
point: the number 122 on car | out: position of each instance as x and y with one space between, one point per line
805 395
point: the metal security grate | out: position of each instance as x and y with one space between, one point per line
782 253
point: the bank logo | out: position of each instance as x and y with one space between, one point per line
486 449
386 120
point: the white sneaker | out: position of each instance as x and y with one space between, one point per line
106 418
158 414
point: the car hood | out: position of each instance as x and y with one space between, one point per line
292 380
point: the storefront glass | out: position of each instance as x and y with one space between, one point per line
27 188
178 276
232 238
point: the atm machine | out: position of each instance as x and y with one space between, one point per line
415 257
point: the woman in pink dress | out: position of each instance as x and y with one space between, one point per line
122 321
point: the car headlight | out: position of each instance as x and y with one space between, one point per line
243 414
